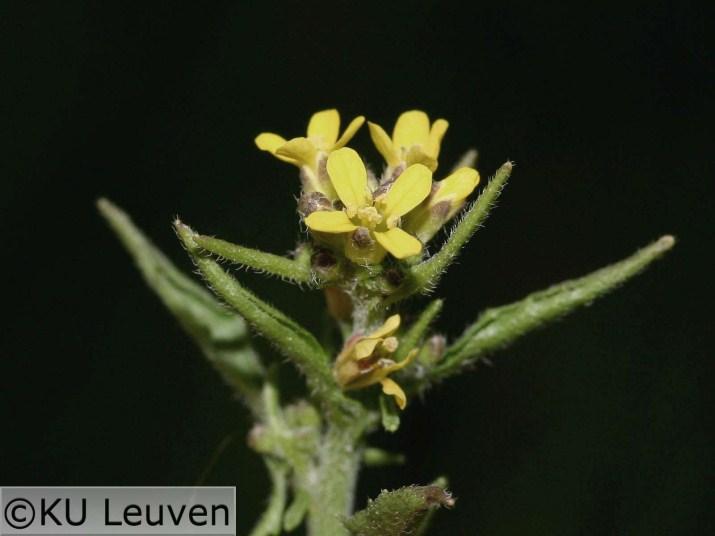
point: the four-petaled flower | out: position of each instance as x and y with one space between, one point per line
413 140
373 223
365 361
307 152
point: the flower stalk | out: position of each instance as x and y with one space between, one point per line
365 250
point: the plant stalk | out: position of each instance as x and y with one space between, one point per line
333 493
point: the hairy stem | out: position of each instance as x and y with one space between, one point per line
333 494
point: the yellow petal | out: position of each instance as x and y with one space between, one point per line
412 128
390 326
383 143
267 141
325 126
349 178
456 187
437 132
399 243
390 387
365 347
353 127
389 369
408 191
330 221
415 155
299 149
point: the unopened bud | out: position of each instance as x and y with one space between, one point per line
433 351
390 344
340 305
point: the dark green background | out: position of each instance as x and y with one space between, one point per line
598 425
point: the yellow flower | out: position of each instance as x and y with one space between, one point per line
321 139
365 361
413 141
446 199
372 224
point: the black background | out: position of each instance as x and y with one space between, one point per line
598 425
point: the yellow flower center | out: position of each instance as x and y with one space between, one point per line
368 217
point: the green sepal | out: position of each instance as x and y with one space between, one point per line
297 270
501 326
399 512
221 334
291 339
423 277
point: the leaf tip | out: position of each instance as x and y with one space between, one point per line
665 242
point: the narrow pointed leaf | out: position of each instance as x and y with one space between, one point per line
399 512
499 327
295 513
271 521
389 414
297 270
374 457
424 276
221 334
413 336
291 339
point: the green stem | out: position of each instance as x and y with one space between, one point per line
333 494
297 270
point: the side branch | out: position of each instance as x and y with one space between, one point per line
291 339
424 277
221 334
296 270
501 326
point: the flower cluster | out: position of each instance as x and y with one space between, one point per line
365 217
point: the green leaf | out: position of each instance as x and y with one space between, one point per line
399 512
271 521
374 457
297 270
221 334
389 413
295 513
291 339
423 277
501 326
413 336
